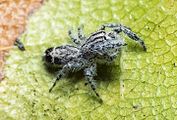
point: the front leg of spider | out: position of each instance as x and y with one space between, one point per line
89 73
132 35
121 28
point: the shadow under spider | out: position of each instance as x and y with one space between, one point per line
105 72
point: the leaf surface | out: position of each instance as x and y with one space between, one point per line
139 85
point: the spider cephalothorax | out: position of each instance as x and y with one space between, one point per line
100 47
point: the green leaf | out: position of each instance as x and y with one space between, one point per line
139 85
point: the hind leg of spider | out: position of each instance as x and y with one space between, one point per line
63 72
74 38
72 66
121 28
89 73
59 76
81 35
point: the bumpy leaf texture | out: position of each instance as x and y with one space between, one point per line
139 85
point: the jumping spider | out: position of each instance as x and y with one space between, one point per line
100 47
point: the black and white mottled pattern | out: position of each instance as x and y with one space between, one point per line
100 47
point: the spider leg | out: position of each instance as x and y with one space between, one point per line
73 37
81 35
133 36
60 74
110 25
70 67
121 28
89 73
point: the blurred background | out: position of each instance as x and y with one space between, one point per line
13 17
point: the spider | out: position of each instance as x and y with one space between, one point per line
100 47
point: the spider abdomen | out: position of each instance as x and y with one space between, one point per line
60 55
